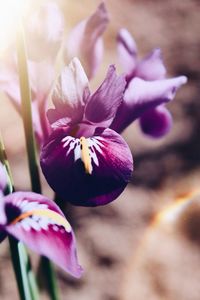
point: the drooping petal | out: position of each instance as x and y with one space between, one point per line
141 95
127 51
103 104
40 224
151 67
87 171
44 32
69 95
85 41
156 122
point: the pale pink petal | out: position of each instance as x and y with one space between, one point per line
39 223
41 75
70 94
44 31
151 67
9 79
127 51
85 40
40 123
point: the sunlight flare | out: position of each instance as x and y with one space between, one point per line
10 11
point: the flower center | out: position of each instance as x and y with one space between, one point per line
86 149
85 155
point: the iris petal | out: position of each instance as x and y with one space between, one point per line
42 76
44 30
9 81
40 224
41 79
103 104
127 50
87 176
141 95
151 67
85 40
156 122
70 94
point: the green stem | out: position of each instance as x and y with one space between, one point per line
26 111
28 272
20 269
50 278
19 256
30 141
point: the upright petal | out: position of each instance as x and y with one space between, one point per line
40 224
87 171
85 40
40 123
44 32
41 75
156 122
127 50
140 96
9 79
69 95
41 79
151 67
103 104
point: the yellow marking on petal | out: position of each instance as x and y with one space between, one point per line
85 155
60 220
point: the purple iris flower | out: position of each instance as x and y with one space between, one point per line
147 90
44 32
40 224
83 159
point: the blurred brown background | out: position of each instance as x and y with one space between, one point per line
120 262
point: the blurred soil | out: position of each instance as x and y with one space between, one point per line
120 262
